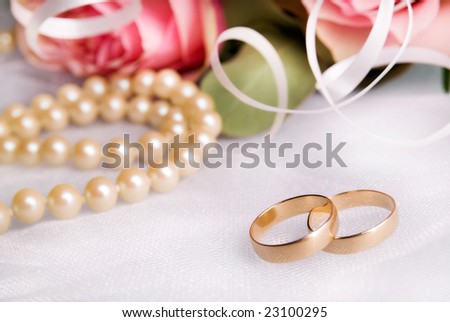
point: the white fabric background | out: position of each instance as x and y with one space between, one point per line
193 245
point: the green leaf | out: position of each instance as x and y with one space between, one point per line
446 80
251 74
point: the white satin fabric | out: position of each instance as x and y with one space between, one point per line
192 244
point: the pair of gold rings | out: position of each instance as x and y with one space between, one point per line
323 232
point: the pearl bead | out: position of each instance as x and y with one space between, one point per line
26 126
7 41
56 118
8 149
134 185
183 158
113 108
174 124
96 87
143 82
203 138
171 128
164 179
41 103
175 115
139 109
13 112
158 113
5 218
29 152
121 152
28 206
184 91
84 112
64 201
5 130
210 122
165 82
121 85
87 154
69 94
56 150
198 104
153 143
101 194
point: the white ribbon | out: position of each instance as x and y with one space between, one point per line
339 85
342 78
265 48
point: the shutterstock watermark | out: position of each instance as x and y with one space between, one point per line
250 155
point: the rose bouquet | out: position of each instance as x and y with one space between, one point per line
180 34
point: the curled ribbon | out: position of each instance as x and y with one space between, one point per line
336 83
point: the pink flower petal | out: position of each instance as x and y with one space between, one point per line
365 6
152 25
334 13
187 24
424 14
434 36
168 53
343 41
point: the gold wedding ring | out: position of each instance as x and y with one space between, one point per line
366 239
300 248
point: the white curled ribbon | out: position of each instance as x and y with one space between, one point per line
42 21
342 78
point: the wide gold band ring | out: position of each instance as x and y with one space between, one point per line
366 239
300 248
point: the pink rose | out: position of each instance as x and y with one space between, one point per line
345 24
167 34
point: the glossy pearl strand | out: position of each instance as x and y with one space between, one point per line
163 100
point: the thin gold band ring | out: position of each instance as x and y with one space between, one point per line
366 239
300 248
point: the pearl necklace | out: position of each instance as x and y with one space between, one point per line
181 109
